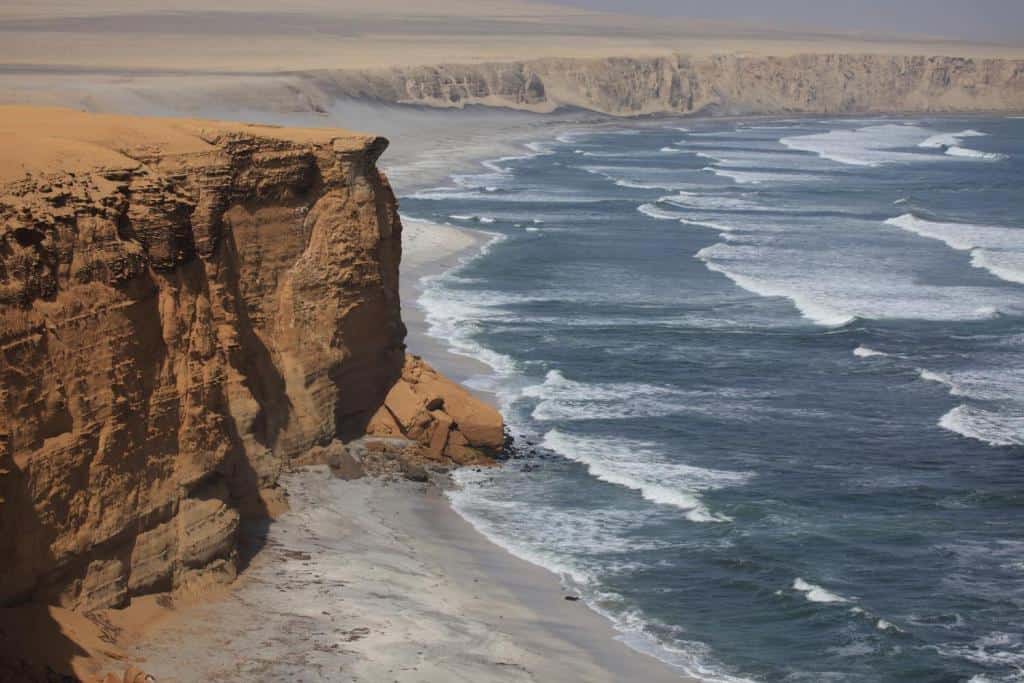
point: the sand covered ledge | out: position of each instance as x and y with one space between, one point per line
381 581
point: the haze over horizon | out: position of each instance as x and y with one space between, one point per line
983 20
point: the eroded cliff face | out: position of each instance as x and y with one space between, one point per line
728 84
185 306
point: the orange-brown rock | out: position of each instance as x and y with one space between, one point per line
445 419
184 306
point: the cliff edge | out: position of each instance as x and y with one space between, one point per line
187 308
722 84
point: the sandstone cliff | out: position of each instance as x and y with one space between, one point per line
185 307
724 84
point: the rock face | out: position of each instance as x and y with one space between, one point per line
727 84
445 419
185 306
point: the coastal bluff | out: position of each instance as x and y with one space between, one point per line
188 309
718 84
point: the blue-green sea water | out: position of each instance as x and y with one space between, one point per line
768 380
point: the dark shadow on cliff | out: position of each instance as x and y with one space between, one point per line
254 363
253 359
34 647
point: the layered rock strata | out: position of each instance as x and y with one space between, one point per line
185 308
724 84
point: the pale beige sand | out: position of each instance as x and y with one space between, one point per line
259 36
366 581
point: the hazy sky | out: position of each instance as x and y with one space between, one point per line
999 20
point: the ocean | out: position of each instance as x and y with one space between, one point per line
766 380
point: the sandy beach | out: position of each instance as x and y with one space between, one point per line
382 581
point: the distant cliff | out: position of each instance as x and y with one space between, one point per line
186 307
727 85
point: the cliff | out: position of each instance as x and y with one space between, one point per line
186 309
840 83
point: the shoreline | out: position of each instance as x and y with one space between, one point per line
372 580
436 248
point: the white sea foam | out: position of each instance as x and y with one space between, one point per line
816 593
996 649
561 541
562 399
636 185
672 150
937 377
711 225
869 146
996 249
540 148
834 286
810 305
949 139
469 217
654 211
762 177
765 159
952 144
533 195
636 465
993 428
883 625
713 202
639 177
453 315
539 539
1005 265
1001 421
966 153
865 352
607 155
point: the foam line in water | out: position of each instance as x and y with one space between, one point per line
452 315
759 178
562 399
559 541
713 202
637 177
868 146
998 250
966 153
633 465
810 306
711 225
1005 265
654 211
949 139
815 593
832 287
866 352
993 428
952 144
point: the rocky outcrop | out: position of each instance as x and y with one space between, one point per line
727 84
186 307
448 422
